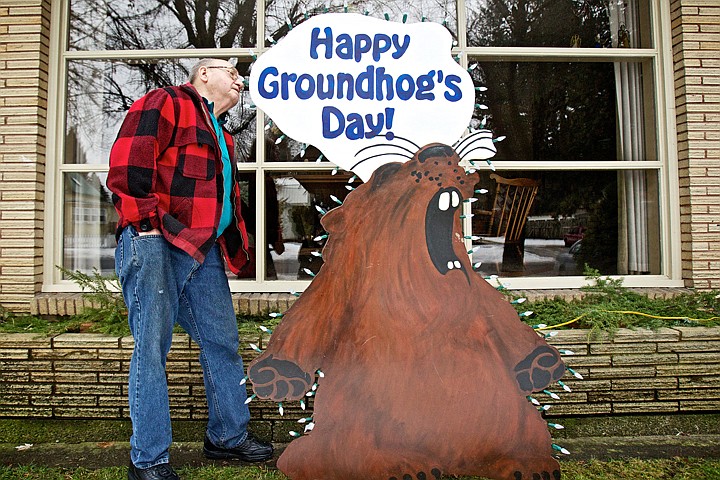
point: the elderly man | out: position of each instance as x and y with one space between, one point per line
173 181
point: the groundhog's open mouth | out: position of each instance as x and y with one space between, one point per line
439 221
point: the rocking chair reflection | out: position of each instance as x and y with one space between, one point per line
507 218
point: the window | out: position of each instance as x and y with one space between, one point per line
575 87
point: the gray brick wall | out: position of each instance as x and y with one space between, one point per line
671 370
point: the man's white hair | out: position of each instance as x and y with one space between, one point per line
204 62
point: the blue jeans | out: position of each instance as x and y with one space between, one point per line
163 285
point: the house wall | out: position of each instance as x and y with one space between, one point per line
696 48
24 52
84 376
24 58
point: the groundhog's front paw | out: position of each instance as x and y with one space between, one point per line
539 369
278 380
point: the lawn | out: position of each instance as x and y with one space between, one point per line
664 469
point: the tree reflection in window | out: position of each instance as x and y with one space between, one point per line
100 93
161 24
280 15
549 111
539 23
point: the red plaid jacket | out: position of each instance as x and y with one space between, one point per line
166 173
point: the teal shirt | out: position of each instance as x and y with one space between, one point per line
226 216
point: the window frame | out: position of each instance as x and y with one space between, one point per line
659 59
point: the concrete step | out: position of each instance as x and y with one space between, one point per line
93 455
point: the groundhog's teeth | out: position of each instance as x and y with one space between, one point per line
446 198
444 201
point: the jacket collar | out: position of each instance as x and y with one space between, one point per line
191 90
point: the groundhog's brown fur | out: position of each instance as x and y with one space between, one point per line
427 367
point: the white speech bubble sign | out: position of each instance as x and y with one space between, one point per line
364 91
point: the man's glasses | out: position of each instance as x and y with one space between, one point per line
234 74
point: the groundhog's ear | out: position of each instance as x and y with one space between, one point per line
383 174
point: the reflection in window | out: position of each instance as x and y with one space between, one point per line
548 111
551 111
571 221
157 25
247 209
292 207
285 149
101 92
281 148
292 220
565 23
90 221
281 12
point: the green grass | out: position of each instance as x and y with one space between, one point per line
98 320
108 315
120 473
663 469
606 306
15 323
635 469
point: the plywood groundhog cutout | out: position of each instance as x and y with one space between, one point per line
427 367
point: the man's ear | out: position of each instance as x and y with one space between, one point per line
203 74
383 173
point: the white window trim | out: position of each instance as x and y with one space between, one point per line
660 58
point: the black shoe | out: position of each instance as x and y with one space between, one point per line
251 450
158 472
